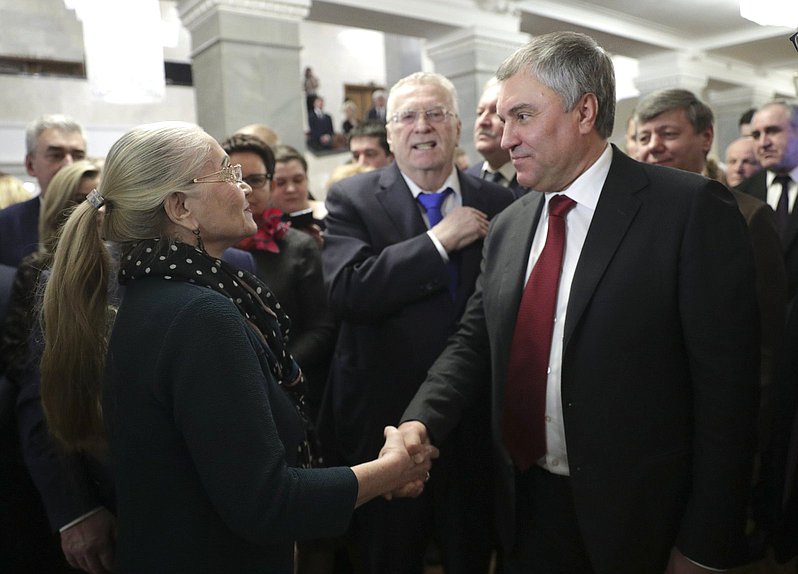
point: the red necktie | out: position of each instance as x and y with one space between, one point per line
524 429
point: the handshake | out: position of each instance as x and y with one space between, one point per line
409 450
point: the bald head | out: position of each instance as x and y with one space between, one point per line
741 162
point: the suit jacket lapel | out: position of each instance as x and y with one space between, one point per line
512 270
616 209
400 206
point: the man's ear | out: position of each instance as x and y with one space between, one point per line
587 109
29 165
179 212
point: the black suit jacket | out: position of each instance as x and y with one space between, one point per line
516 188
389 286
19 231
756 185
659 368
320 126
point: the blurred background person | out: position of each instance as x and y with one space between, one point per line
461 159
351 116
741 162
310 85
51 142
291 195
266 134
321 128
488 132
368 143
289 262
377 110
630 140
75 489
12 191
346 170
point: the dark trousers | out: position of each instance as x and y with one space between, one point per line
455 510
548 540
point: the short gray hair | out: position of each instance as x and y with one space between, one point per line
53 121
572 65
429 79
657 103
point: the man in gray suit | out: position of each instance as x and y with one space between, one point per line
623 373
401 256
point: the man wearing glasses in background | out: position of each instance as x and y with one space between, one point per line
401 256
52 142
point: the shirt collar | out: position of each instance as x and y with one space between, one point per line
586 189
452 181
507 170
771 175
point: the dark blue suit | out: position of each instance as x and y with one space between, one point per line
389 286
320 126
19 231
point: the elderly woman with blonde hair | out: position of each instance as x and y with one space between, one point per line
189 384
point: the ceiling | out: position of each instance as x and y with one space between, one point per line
677 35
635 28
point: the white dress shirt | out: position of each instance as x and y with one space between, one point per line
585 191
774 189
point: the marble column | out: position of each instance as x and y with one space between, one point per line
729 105
245 64
469 57
671 70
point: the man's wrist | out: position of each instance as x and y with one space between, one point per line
80 519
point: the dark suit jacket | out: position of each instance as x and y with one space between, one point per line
780 498
389 286
659 368
374 116
516 188
19 231
320 126
756 185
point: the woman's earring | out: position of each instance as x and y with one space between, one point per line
200 244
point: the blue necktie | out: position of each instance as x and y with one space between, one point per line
432 203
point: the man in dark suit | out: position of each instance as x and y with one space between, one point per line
774 129
52 142
775 134
321 126
399 271
676 129
377 112
623 373
488 130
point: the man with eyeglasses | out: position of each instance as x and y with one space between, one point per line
52 142
401 257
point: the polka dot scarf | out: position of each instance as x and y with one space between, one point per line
181 262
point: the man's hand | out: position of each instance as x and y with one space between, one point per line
419 454
679 564
461 227
89 544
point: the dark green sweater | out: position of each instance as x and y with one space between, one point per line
202 441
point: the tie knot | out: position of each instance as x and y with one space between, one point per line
434 201
783 179
559 205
